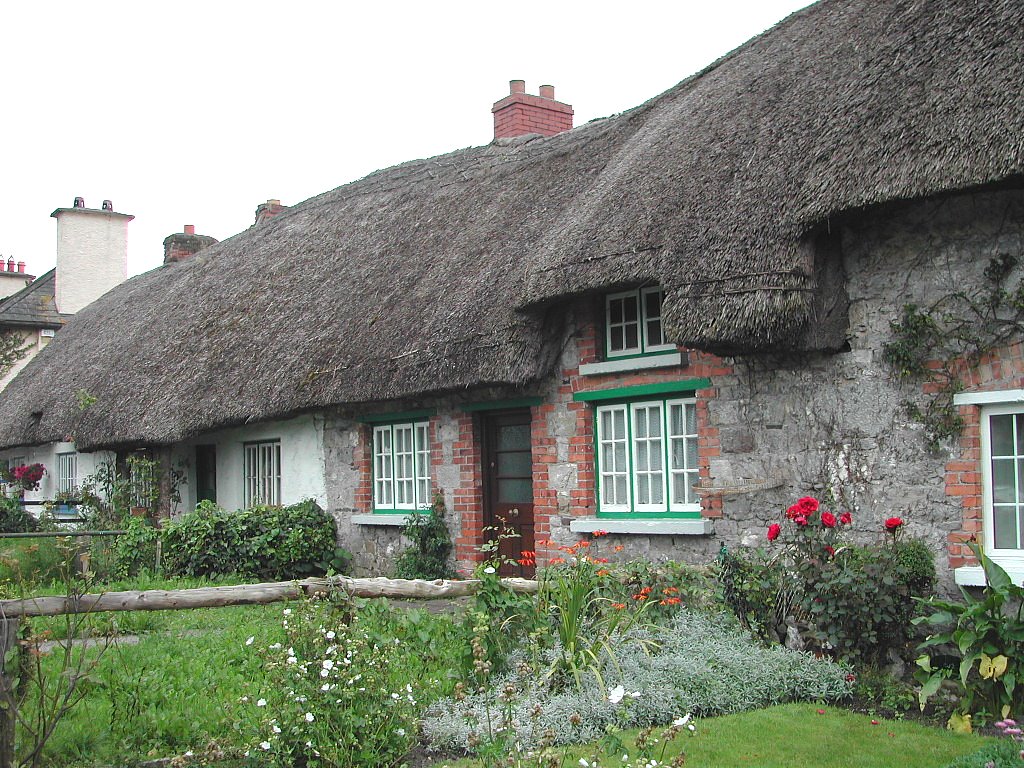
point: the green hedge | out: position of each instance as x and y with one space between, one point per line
265 542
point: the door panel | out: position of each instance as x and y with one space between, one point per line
508 485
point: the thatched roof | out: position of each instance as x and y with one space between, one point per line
431 276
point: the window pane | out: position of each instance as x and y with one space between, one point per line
617 339
514 437
615 311
519 464
1004 485
1018 421
620 490
515 491
652 318
1001 428
643 489
1005 533
632 336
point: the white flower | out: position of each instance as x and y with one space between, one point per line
292 660
275 647
261 703
309 717
251 640
325 687
287 611
327 664
489 569
584 763
275 728
615 694
400 731
395 696
265 745
330 635
635 694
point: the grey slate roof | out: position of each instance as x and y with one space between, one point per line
33 306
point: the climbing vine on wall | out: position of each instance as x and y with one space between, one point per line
12 349
937 344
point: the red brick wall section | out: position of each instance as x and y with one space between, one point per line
363 464
582 500
1000 369
468 497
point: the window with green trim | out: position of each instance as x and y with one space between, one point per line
646 455
632 321
401 466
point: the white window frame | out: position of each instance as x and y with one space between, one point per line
66 480
400 466
261 473
1009 556
644 346
664 443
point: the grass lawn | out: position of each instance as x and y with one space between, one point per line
796 736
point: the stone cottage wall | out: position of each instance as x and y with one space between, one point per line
771 428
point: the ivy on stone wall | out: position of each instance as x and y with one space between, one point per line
938 344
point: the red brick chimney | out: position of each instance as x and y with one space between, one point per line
520 113
268 210
182 245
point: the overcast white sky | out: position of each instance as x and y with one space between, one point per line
194 112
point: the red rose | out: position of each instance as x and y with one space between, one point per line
773 531
808 505
893 523
830 550
800 520
793 512
846 518
828 519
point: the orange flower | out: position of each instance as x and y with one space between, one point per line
603 572
545 543
618 606
582 543
670 601
556 561
646 591
600 559
670 591
618 548
596 534
639 596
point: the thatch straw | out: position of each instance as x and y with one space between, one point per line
431 276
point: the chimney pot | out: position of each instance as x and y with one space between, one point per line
10 265
516 86
547 92
190 229
108 206
79 202
21 266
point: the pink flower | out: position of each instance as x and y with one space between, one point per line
773 531
800 520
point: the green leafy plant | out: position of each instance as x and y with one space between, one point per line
986 635
135 551
265 542
331 698
428 557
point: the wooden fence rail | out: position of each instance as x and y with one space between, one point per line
11 612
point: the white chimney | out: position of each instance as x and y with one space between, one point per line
92 253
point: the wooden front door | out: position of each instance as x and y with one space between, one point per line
508 485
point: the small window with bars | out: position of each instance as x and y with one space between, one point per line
262 474
67 473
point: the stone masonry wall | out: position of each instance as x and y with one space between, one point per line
771 428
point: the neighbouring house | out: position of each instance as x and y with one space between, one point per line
667 324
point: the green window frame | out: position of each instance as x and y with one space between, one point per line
646 458
401 467
632 323
1002 433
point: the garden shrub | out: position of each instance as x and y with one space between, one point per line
428 555
265 542
706 665
1001 754
14 518
855 602
331 699
135 551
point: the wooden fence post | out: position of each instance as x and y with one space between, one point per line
9 669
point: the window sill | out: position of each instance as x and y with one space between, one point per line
396 520
667 527
974 575
632 364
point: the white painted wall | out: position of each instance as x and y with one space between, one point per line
302 461
11 282
35 341
92 255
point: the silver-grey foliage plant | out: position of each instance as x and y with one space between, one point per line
706 665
